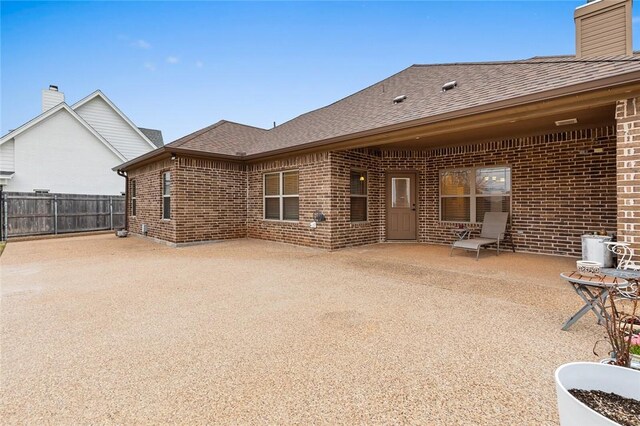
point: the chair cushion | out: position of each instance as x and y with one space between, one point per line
474 243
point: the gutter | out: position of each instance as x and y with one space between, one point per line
167 151
574 90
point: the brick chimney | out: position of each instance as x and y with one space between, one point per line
51 98
603 28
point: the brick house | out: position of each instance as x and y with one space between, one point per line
551 140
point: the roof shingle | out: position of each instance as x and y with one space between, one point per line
479 83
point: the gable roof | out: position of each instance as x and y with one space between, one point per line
99 94
42 117
481 87
478 83
155 136
232 138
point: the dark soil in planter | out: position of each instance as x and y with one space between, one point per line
625 411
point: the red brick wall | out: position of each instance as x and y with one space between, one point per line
345 233
148 181
628 176
314 194
209 200
561 189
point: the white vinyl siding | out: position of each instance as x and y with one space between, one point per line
61 155
7 156
113 128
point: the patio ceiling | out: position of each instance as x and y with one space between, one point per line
588 117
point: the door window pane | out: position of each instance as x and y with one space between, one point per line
290 208
456 209
272 208
455 182
400 192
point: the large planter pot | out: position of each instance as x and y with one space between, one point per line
592 376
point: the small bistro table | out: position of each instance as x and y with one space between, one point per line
593 291
625 274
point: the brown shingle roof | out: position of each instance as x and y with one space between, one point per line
479 84
223 137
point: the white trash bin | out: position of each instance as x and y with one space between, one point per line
594 249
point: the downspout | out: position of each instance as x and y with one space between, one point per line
126 198
3 231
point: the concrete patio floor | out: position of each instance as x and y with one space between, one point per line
103 330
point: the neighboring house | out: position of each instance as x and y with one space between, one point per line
554 141
72 149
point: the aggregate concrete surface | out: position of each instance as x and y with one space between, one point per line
97 329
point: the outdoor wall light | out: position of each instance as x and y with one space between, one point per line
361 178
173 156
318 216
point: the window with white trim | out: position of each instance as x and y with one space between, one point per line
358 195
166 195
281 200
467 194
134 198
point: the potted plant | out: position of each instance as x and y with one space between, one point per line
591 393
635 351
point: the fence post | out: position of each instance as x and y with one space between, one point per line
111 212
55 214
3 216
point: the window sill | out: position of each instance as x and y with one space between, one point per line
280 221
359 223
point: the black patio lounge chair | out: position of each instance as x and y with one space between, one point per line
493 231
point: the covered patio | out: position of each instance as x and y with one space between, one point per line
99 329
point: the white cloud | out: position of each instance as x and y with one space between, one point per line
141 44
150 66
199 64
173 59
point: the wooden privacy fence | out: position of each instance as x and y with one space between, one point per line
28 213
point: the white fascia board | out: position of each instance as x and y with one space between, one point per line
37 119
98 93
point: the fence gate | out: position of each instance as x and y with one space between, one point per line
28 213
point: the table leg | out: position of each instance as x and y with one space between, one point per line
593 300
591 304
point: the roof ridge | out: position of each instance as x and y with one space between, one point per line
539 60
199 132
244 125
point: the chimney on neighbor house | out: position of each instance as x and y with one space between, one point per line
603 28
51 98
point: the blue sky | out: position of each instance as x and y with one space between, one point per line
180 66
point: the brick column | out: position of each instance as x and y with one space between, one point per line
628 172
